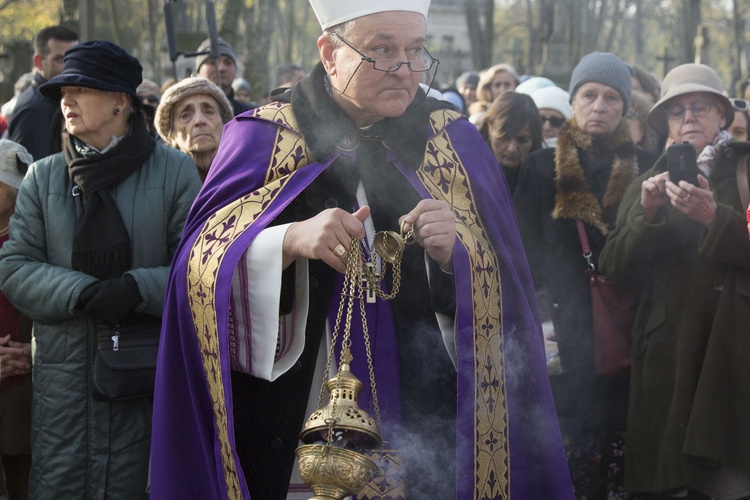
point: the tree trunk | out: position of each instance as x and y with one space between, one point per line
258 27
638 33
736 42
615 18
691 19
533 39
230 21
480 36
153 22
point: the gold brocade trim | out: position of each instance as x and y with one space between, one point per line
289 151
219 232
277 112
388 483
445 178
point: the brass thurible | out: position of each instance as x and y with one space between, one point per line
335 436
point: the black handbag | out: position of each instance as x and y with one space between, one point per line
125 359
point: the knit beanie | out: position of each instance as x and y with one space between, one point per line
240 83
553 98
224 50
530 85
180 90
470 77
604 68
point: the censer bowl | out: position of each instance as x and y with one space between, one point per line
334 473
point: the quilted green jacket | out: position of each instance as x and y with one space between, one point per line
81 448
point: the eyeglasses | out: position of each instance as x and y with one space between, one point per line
417 65
739 104
554 121
698 108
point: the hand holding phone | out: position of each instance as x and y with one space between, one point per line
682 164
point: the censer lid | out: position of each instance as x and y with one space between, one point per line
353 428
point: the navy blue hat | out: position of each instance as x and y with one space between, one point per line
97 64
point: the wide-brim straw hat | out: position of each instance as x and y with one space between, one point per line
688 79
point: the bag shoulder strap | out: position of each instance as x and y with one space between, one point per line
743 181
585 244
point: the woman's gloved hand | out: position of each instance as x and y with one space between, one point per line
110 300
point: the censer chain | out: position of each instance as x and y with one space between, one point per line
357 265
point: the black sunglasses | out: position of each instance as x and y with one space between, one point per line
739 104
555 121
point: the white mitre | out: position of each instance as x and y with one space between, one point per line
333 12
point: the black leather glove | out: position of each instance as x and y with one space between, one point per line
113 299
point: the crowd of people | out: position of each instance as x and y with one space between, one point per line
124 200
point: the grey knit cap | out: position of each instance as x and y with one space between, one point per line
224 50
470 77
604 68
180 90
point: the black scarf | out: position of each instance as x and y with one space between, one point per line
101 243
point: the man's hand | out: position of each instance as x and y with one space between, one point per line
326 236
434 225
15 357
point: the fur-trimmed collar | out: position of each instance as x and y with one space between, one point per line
573 197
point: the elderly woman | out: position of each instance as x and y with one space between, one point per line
685 247
583 178
493 82
512 129
191 117
91 242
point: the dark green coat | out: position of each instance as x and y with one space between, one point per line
81 448
690 378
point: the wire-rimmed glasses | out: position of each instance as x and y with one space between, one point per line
417 65
698 108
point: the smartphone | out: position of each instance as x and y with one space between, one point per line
681 163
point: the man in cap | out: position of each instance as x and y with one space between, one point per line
298 188
191 117
30 124
221 71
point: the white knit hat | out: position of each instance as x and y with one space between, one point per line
10 154
553 98
333 12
